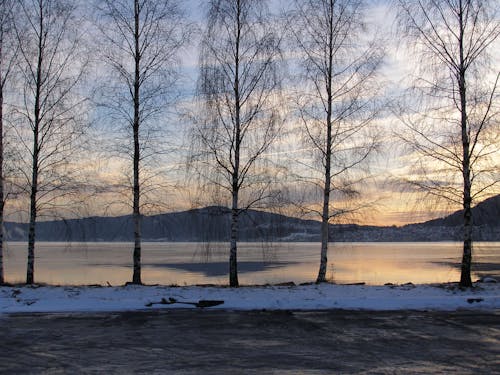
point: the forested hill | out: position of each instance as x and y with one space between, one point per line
213 224
484 213
205 224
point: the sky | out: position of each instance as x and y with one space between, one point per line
385 200
390 203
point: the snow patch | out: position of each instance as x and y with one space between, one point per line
305 297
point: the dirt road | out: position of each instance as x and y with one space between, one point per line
259 342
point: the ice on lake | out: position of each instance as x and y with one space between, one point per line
170 263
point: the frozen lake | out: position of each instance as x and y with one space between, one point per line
259 263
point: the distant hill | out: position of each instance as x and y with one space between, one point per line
213 224
486 212
486 216
204 224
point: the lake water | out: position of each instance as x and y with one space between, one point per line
259 263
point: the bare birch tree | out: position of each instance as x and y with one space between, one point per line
48 111
453 113
8 52
239 120
142 41
336 97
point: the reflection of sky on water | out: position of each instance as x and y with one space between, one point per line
396 272
191 263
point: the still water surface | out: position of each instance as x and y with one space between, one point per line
259 263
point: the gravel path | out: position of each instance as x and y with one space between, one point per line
253 342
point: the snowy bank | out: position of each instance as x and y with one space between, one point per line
24 299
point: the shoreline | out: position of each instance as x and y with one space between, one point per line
311 297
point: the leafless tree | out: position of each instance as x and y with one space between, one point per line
238 91
336 98
8 52
142 40
453 116
48 124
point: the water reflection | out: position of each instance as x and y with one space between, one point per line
220 268
193 263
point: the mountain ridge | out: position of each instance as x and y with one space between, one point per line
483 213
212 223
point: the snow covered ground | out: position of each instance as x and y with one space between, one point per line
485 296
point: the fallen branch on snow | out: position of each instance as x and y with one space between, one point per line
201 303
